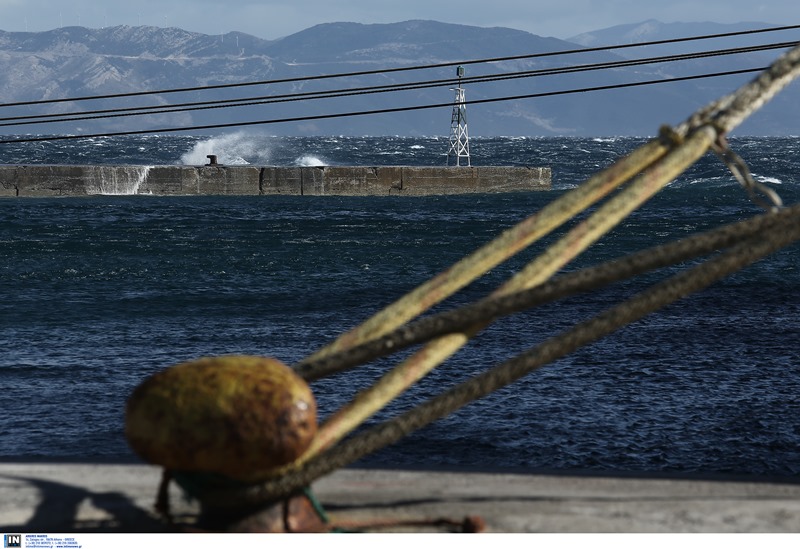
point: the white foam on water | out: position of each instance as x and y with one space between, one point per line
767 179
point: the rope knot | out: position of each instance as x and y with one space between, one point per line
668 136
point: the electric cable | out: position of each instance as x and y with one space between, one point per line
376 111
311 95
240 102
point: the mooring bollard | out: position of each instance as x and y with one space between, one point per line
212 159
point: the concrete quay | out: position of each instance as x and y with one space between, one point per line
217 179
46 497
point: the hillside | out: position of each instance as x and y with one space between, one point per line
75 62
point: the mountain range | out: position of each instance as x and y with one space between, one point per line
75 62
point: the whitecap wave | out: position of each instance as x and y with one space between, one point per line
767 179
309 160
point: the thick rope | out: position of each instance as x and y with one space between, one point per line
389 432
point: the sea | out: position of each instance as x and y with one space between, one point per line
99 292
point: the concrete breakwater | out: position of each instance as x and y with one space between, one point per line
217 179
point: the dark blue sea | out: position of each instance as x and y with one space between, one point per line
98 292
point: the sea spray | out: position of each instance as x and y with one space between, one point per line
232 149
243 149
308 160
115 180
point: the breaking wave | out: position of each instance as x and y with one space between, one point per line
244 149
309 160
233 149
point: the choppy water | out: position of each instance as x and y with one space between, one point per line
98 292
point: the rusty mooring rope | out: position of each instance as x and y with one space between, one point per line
747 251
649 169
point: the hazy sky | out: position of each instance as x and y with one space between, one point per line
268 19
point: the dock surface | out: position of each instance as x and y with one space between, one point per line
46 497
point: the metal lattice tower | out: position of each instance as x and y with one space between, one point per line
459 136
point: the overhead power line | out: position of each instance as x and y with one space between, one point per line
379 111
344 92
399 69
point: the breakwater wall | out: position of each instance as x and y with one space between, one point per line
217 179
